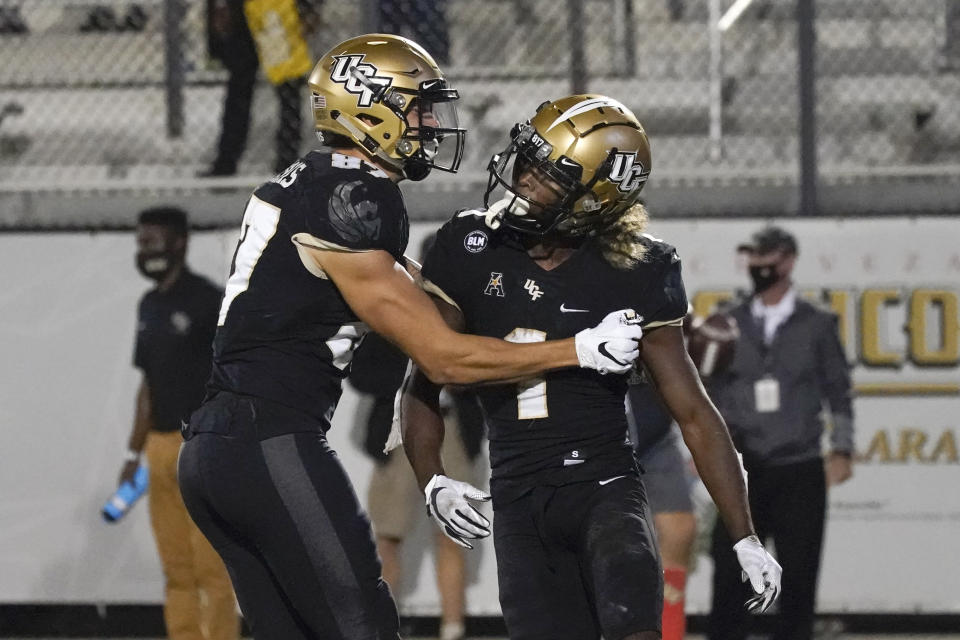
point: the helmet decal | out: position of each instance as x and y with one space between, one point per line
587 105
628 172
351 71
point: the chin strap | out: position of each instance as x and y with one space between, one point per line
415 169
367 142
514 205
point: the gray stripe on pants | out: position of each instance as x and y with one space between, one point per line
313 523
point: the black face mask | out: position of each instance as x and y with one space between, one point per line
156 265
764 277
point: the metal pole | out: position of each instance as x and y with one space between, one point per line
578 58
629 39
716 82
371 16
174 11
806 54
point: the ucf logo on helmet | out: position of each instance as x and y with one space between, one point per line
628 172
341 74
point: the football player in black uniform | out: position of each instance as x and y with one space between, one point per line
320 257
575 551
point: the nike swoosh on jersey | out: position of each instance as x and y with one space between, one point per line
609 480
603 351
565 309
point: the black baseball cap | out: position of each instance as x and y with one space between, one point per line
768 240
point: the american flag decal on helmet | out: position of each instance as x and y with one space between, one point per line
319 101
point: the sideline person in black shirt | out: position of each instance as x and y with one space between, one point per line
175 327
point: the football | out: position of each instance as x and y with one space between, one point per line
711 342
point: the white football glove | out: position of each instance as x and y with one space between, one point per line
613 345
447 505
761 570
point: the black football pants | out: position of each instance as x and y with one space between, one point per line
283 516
788 504
578 561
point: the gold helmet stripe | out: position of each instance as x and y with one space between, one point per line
587 105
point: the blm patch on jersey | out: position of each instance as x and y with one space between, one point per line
475 241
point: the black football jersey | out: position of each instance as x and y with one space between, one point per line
285 333
569 425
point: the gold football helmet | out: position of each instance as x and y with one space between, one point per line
592 151
386 94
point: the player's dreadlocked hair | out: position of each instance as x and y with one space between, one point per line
621 242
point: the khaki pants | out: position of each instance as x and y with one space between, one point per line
199 603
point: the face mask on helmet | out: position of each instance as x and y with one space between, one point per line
540 194
434 138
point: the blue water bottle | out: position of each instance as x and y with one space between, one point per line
126 496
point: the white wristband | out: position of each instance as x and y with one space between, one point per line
131 456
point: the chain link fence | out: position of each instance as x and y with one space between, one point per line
123 96
888 81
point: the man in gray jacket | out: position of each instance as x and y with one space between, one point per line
787 365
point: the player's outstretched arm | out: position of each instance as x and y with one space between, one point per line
704 431
708 439
384 296
421 422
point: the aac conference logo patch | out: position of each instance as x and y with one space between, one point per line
475 241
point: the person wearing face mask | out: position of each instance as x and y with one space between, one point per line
177 320
787 365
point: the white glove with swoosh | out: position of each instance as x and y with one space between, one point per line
447 505
613 345
761 570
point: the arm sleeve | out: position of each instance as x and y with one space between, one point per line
440 266
360 213
665 302
834 373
